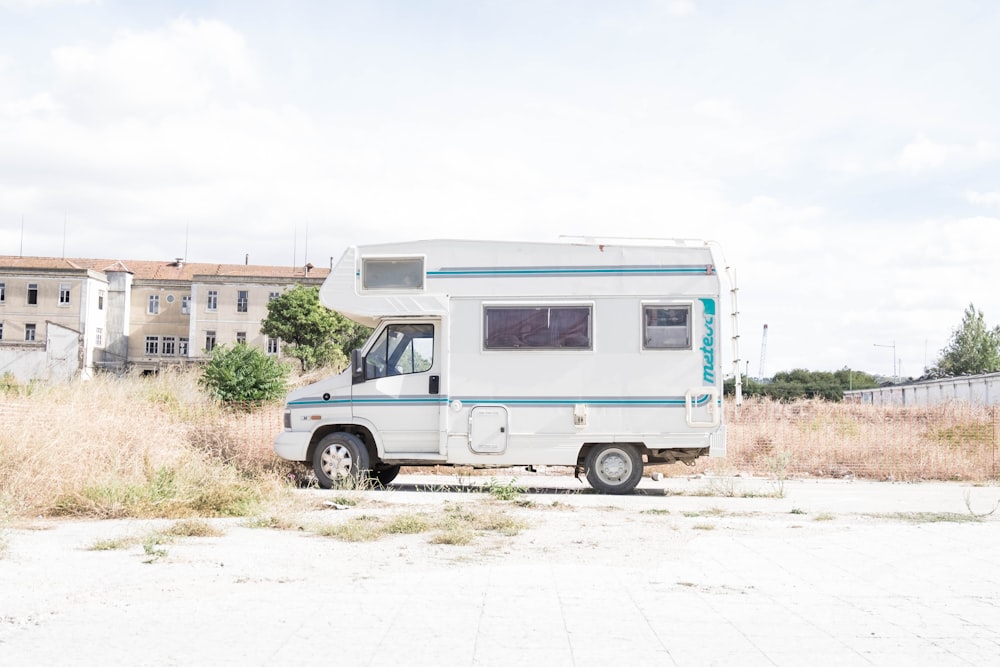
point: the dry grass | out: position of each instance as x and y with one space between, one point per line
133 447
905 443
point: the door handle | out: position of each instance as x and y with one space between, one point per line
434 384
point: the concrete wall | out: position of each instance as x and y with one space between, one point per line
56 359
979 389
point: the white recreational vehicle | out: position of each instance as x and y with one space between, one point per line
598 356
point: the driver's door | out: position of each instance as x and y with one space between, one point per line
400 394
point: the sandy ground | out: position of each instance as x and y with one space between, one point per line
685 572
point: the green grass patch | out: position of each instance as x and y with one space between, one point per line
194 528
166 493
457 525
929 517
504 491
273 521
362 528
113 544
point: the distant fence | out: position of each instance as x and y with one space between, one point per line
981 389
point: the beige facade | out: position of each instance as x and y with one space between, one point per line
138 314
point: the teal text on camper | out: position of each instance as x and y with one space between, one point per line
708 343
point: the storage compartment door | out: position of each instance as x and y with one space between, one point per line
488 429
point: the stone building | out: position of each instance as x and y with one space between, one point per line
128 314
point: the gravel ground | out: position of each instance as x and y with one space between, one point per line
687 571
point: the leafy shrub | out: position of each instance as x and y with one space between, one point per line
243 374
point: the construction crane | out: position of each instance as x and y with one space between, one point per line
761 373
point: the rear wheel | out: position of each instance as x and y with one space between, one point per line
384 474
613 469
340 457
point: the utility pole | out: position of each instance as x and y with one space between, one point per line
763 354
895 376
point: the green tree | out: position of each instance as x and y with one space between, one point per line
309 331
800 383
242 374
974 347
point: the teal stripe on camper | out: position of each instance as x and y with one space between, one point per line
525 271
370 400
544 401
538 402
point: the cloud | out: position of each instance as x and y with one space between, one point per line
34 4
186 65
985 198
924 154
718 109
680 7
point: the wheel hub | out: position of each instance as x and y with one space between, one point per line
613 466
336 462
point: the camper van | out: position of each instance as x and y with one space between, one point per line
600 356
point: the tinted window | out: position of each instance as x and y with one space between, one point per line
402 273
539 327
666 327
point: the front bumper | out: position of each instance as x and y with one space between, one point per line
293 445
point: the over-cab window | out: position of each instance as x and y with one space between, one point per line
405 273
537 327
666 327
401 349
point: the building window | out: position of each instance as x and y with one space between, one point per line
29 332
32 294
1 330
64 295
152 345
182 347
213 299
209 341
241 337
273 295
169 346
242 300
186 304
666 327
3 292
154 304
537 327
99 337
100 299
272 346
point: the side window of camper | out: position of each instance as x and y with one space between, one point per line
403 273
401 349
538 327
666 327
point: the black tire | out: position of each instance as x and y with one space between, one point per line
384 474
613 469
340 457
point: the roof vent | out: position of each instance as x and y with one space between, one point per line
179 261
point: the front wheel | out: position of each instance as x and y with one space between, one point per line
613 469
340 457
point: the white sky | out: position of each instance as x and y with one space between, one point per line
846 154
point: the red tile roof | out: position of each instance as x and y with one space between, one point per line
152 270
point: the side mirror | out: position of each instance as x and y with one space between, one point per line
357 368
